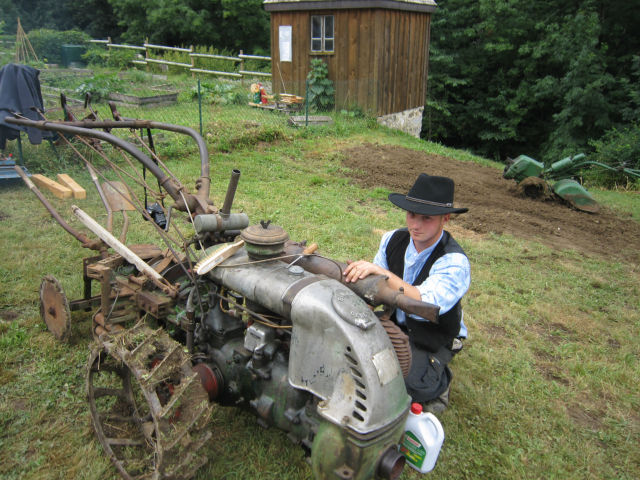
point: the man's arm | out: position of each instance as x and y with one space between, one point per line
448 281
360 269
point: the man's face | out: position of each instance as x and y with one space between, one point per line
424 229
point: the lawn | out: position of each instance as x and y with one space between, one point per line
546 386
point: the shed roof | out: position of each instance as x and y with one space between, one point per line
410 5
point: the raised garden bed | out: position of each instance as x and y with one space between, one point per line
165 98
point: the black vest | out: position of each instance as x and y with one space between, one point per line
426 334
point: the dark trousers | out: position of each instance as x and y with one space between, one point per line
429 375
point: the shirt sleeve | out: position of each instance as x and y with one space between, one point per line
448 281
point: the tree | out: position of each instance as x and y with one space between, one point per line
224 24
542 78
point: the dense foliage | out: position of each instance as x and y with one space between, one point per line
48 43
221 23
544 78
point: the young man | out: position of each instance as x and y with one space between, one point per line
429 265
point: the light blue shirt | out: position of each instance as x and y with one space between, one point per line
448 280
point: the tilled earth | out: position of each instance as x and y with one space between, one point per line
495 204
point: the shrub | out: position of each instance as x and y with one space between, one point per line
618 149
100 57
321 91
100 86
219 93
48 43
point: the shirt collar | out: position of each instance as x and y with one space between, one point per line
412 253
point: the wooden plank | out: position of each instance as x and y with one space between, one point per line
364 60
58 190
352 85
342 59
393 48
386 70
413 62
377 36
426 44
67 181
302 23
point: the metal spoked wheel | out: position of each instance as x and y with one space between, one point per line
54 308
148 407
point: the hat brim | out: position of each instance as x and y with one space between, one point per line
400 200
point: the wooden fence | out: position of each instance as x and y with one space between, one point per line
149 50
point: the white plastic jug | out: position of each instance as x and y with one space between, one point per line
422 439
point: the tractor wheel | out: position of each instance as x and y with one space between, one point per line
54 308
148 407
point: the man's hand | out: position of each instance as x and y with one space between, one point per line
358 270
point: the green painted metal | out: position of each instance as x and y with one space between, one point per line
338 454
574 193
523 167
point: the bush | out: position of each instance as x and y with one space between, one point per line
321 91
100 86
116 58
618 149
219 93
48 43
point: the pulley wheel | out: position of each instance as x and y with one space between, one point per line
54 308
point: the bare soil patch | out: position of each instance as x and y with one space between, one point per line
494 203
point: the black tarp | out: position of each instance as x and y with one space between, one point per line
19 92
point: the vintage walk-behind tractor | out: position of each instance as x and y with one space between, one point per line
536 180
229 314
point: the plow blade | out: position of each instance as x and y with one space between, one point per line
576 195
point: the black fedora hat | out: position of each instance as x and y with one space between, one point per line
430 195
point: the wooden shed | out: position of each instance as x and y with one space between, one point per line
377 52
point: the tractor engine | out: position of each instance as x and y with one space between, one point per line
305 354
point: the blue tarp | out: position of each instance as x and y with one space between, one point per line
19 92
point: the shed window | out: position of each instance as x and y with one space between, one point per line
322 33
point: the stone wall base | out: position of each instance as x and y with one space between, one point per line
408 121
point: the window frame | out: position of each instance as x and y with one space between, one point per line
323 38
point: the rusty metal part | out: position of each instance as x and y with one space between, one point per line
123 250
211 379
172 186
374 288
391 464
400 342
54 308
117 195
184 200
264 240
231 192
81 237
148 407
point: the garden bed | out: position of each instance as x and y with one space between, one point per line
166 98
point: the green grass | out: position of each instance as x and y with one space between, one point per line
626 203
546 387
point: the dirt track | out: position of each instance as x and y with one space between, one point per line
494 205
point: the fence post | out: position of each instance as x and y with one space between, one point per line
146 52
241 67
193 74
306 103
200 106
